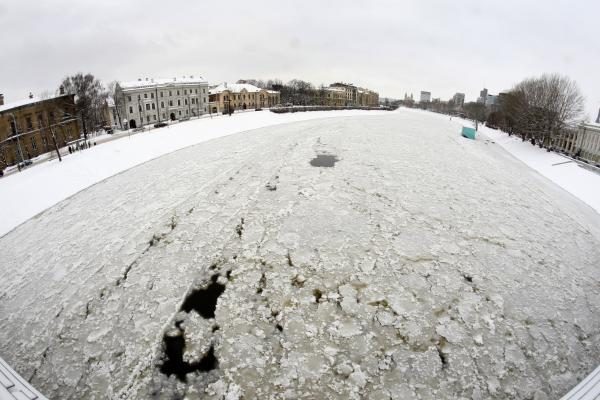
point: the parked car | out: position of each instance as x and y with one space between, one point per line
108 129
25 163
160 124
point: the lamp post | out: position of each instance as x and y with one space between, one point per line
17 135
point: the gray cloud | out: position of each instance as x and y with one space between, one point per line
393 47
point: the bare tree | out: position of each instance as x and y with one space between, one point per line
541 108
90 98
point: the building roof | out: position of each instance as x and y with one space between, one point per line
148 83
237 88
26 102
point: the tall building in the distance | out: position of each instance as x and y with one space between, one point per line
483 96
458 99
598 117
425 97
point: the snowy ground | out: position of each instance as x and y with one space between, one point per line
25 194
422 265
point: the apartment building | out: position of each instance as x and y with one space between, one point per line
149 101
229 97
347 95
34 126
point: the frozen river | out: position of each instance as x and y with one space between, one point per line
402 262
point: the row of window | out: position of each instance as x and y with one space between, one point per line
152 118
29 123
29 148
243 97
152 106
162 93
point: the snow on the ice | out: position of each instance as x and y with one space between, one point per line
30 192
578 179
421 265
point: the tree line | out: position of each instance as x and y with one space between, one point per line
540 109
296 91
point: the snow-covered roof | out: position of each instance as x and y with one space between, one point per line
147 83
235 88
25 102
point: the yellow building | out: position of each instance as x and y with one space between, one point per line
367 98
335 96
240 96
343 94
32 126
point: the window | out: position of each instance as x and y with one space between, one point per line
148 118
203 90
178 102
161 94
171 103
139 97
179 112
29 123
147 107
184 91
130 110
170 93
205 99
151 95
196 91
145 95
162 104
153 106
164 116
186 112
128 98
154 117
178 93
185 102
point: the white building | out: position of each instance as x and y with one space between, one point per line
587 143
149 101
425 97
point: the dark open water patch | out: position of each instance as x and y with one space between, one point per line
324 160
204 300
174 364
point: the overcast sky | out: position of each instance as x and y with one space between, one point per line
392 47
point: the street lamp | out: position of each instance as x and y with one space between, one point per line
17 135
